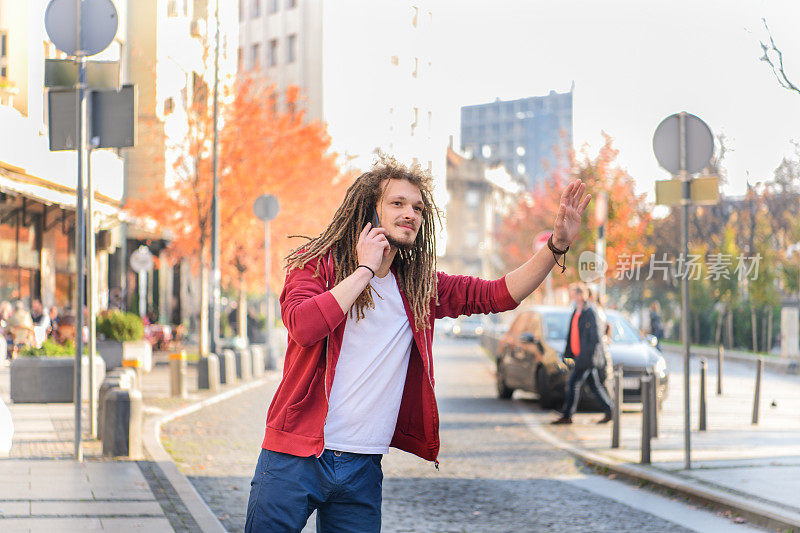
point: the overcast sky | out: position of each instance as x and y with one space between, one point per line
633 62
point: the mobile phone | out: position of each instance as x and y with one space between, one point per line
375 222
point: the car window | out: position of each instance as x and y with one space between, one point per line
621 330
555 325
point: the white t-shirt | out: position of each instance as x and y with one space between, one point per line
370 374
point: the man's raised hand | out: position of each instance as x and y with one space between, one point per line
568 219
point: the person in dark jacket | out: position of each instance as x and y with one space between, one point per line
656 324
586 348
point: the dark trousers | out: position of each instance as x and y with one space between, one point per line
344 488
577 378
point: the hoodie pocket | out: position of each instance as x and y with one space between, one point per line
306 417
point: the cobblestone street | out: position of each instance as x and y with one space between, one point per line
494 473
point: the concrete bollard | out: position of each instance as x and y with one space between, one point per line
703 412
136 366
720 360
257 355
617 406
227 367
177 375
244 364
654 406
131 375
757 395
115 380
122 423
646 383
208 373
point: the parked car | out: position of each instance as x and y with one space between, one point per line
529 356
469 327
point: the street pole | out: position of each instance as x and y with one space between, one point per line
685 201
91 282
266 285
215 268
80 233
600 244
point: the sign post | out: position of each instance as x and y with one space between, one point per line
683 145
141 263
266 208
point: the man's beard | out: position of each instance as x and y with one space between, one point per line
400 245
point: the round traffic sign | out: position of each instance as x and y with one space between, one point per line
99 24
698 144
266 207
141 259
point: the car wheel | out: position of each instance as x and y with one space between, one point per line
504 392
546 399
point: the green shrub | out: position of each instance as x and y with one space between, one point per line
120 326
51 348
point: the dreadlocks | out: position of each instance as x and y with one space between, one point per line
415 267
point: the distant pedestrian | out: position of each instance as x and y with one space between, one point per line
585 346
656 324
359 303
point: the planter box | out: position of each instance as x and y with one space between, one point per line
113 352
51 379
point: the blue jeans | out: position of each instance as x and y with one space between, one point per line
344 488
576 381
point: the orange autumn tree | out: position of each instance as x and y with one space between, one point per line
628 215
265 150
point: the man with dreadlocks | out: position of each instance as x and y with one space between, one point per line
359 303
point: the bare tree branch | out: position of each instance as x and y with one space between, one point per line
777 64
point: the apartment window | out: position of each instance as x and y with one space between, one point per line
239 59
273 52
255 51
176 8
3 55
290 4
241 10
416 67
273 6
395 60
169 105
472 198
291 52
256 8
414 16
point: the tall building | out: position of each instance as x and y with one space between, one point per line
530 136
480 196
364 66
37 186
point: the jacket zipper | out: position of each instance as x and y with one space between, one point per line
325 385
430 382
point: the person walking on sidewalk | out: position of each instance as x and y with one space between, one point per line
359 303
585 346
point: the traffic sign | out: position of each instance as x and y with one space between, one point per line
704 190
266 207
141 259
698 144
99 24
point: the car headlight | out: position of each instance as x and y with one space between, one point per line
660 368
479 331
456 330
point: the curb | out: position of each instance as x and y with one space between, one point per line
197 507
763 514
780 365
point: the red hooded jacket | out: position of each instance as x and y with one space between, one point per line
315 321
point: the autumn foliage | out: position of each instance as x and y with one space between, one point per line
628 216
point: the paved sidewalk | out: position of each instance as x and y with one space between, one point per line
44 489
751 469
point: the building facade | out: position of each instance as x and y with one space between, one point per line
530 136
480 196
365 68
37 186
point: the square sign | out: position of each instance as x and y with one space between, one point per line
113 117
61 119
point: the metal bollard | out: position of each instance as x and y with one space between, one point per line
120 380
703 415
227 367
257 354
122 423
720 359
177 375
208 373
757 395
136 366
654 406
244 364
617 406
646 383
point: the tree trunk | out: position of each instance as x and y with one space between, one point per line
242 313
205 341
754 324
769 330
718 335
729 330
